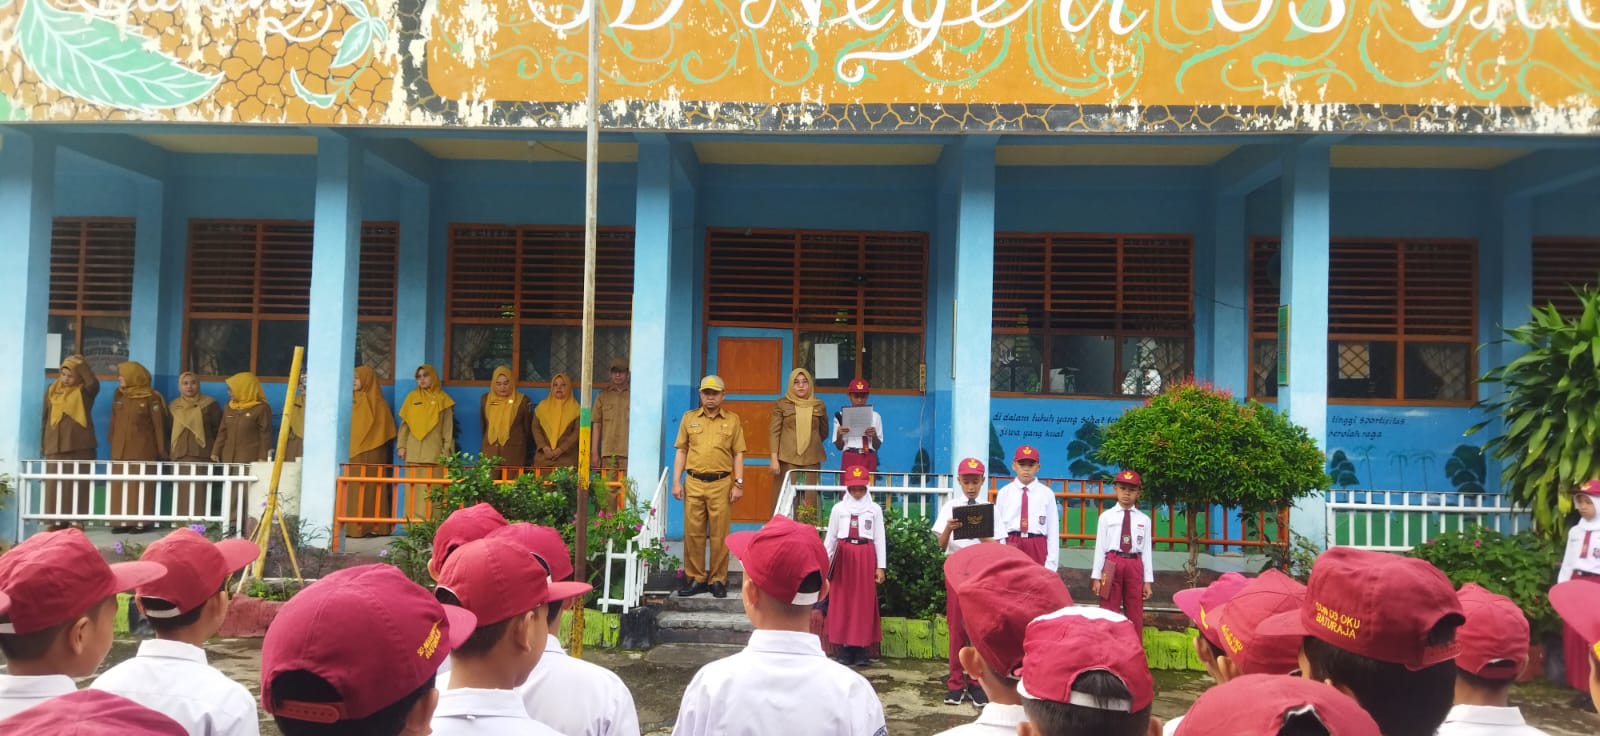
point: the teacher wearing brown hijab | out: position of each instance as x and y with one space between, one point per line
138 432
67 433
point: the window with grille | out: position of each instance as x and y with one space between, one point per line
863 293
1402 320
250 296
1561 265
1099 315
516 299
91 289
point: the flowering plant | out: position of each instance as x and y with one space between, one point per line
1519 566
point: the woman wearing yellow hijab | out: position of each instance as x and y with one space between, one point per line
555 426
295 415
372 434
798 430
67 433
507 419
427 432
195 419
246 430
138 432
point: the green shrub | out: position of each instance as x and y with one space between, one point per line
1520 566
914 584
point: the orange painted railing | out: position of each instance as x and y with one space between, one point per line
404 492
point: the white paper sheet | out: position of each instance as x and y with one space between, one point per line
826 355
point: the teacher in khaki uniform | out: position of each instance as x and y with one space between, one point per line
711 448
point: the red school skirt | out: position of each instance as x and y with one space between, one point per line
1575 650
853 596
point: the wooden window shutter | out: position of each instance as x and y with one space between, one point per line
1021 297
1082 287
1440 291
222 267
613 277
751 277
896 284
1559 264
1364 288
1265 272
551 273
483 272
91 265
378 282
827 291
285 275
1157 284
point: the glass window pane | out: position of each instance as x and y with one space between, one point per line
1151 363
1264 369
892 359
805 356
67 327
476 350
1016 363
105 343
1439 371
1087 363
1361 369
219 347
375 348
548 350
275 346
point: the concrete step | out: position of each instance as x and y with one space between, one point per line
704 603
703 627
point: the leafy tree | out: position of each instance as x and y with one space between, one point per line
1081 453
916 587
1342 470
1196 446
1466 469
997 452
1550 409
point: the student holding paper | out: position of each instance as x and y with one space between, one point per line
858 440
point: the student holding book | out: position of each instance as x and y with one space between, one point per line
969 474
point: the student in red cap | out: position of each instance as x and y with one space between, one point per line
463 525
1578 604
509 589
63 608
1084 674
781 682
970 476
92 713
563 692
1494 650
1200 605
1002 589
354 654
186 607
1123 569
1382 628
861 450
1027 513
1270 705
858 552
1581 562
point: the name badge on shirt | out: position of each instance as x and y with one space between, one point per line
1041 519
867 524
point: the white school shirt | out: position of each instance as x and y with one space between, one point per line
994 720
578 698
869 520
855 443
1578 558
469 710
1484 720
1109 539
780 683
173 678
21 692
948 512
1041 503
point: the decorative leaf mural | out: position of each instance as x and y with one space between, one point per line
95 59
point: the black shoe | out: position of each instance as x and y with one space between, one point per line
953 697
845 656
862 660
719 589
979 697
692 588
1583 702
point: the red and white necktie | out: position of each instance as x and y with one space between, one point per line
1024 509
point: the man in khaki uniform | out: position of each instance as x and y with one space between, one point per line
610 419
711 448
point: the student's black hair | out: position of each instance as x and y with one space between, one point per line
483 638
304 686
1402 701
1489 684
1050 718
1304 724
179 622
36 644
1216 651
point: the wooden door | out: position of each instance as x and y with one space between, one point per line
752 366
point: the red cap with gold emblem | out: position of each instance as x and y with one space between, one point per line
1130 477
970 466
859 386
856 476
1025 452
1590 488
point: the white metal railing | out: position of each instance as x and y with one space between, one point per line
634 570
915 494
1400 520
132 492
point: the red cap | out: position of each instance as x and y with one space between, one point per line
1238 620
970 466
1000 589
1589 488
1578 604
1258 705
542 541
196 569
55 577
1494 640
1131 478
465 525
496 579
92 713
374 635
779 556
1025 452
1375 604
1064 644
1199 603
859 386
856 476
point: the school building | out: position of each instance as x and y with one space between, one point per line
1014 220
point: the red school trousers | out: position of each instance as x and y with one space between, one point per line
1122 589
958 679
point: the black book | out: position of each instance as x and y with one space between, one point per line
977 521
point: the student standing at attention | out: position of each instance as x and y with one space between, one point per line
1581 562
1123 571
1027 512
857 556
959 685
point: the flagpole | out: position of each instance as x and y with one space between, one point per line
591 226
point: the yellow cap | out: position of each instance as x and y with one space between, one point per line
711 383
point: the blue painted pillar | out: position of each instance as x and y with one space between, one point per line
1506 251
974 297
416 340
330 371
27 206
151 280
651 350
1305 290
1228 280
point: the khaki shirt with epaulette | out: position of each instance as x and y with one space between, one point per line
709 442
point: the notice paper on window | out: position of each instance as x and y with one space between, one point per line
826 357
